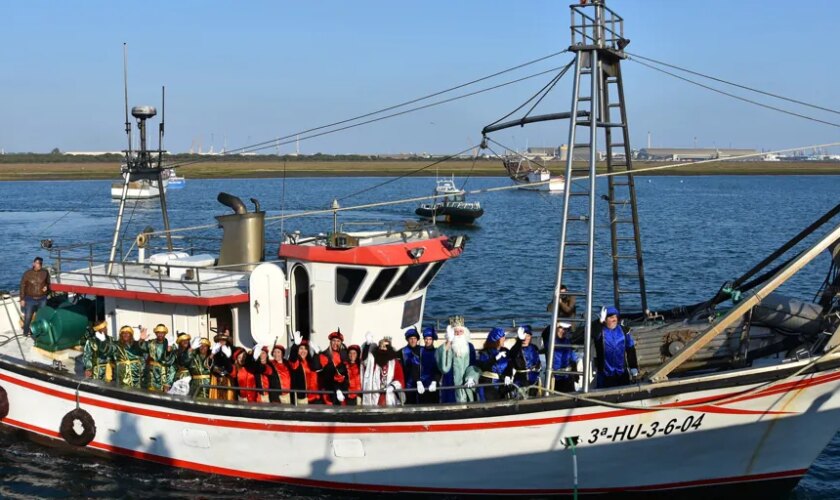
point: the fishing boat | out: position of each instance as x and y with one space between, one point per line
531 176
450 205
737 394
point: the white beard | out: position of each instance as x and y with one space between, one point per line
460 346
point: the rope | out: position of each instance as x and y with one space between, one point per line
745 87
734 96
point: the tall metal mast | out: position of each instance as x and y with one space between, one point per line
140 165
598 43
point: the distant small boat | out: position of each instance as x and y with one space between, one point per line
531 177
141 189
176 182
454 208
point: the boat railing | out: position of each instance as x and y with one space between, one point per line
195 281
320 392
593 23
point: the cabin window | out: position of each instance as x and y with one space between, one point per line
430 275
348 280
380 284
407 280
411 312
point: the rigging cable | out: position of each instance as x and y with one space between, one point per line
735 96
275 141
745 87
394 179
544 91
380 118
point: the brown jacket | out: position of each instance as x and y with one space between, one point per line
33 282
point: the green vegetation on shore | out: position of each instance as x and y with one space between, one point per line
34 167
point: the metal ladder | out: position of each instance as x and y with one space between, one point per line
625 240
597 41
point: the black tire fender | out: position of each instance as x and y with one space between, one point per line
68 427
4 403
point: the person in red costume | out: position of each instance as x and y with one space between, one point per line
332 372
354 375
304 378
242 377
281 379
263 371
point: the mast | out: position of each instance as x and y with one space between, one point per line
141 164
598 43
126 171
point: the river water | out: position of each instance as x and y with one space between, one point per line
697 233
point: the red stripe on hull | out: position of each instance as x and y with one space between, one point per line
185 464
152 296
396 428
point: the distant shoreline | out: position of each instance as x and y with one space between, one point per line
460 168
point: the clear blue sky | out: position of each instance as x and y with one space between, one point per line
251 71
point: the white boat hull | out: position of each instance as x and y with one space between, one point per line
542 181
771 435
138 190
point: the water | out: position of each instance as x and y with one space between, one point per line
698 232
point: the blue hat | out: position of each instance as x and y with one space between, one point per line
429 331
412 332
496 334
527 328
612 311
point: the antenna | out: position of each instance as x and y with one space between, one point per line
125 85
161 125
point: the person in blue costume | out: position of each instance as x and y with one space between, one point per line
493 361
525 360
429 373
565 359
615 352
410 357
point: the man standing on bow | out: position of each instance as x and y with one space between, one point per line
34 286
457 363
615 352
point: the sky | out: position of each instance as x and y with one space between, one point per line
238 73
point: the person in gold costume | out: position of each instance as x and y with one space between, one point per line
199 366
129 356
161 360
97 364
183 354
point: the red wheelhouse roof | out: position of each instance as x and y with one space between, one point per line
383 255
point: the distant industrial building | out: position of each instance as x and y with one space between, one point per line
693 154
